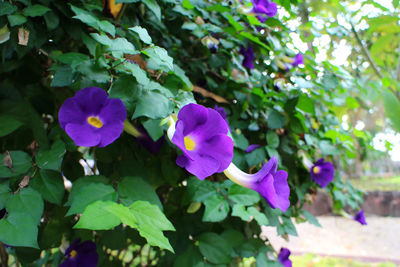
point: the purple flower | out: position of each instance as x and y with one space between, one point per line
221 111
264 7
322 172
359 217
213 48
270 183
90 118
283 257
248 56
147 142
201 133
251 148
297 60
81 254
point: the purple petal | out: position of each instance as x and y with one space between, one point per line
221 111
251 148
192 116
114 110
218 147
298 59
83 134
110 132
201 165
282 190
91 100
266 188
214 125
283 257
359 217
69 112
248 55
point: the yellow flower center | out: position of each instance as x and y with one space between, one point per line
95 121
190 144
316 169
73 254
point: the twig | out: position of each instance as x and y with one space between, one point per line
3 255
397 74
365 51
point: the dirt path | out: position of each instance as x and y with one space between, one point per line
377 241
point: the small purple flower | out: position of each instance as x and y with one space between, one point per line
81 254
248 54
297 60
283 257
147 142
251 148
264 7
359 217
213 48
270 183
90 118
221 111
322 172
201 133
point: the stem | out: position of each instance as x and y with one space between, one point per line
130 129
3 255
397 74
365 51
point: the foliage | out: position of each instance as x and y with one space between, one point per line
139 207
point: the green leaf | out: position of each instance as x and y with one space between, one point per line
186 4
392 108
117 44
272 139
18 162
154 7
217 209
16 20
27 201
242 195
239 210
216 249
153 105
151 222
8 124
200 190
35 10
255 157
131 189
258 216
51 159
72 58
87 18
104 215
142 33
160 57
62 77
127 89
138 73
7 8
88 194
179 72
310 218
306 104
5 194
154 129
50 185
191 257
275 120
17 229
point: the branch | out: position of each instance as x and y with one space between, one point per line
397 74
365 51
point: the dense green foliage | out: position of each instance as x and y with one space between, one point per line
154 57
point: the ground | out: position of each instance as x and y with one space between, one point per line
378 241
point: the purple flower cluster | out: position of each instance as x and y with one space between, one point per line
359 217
81 254
264 8
201 134
283 257
248 55
297 60
90 118
322 172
